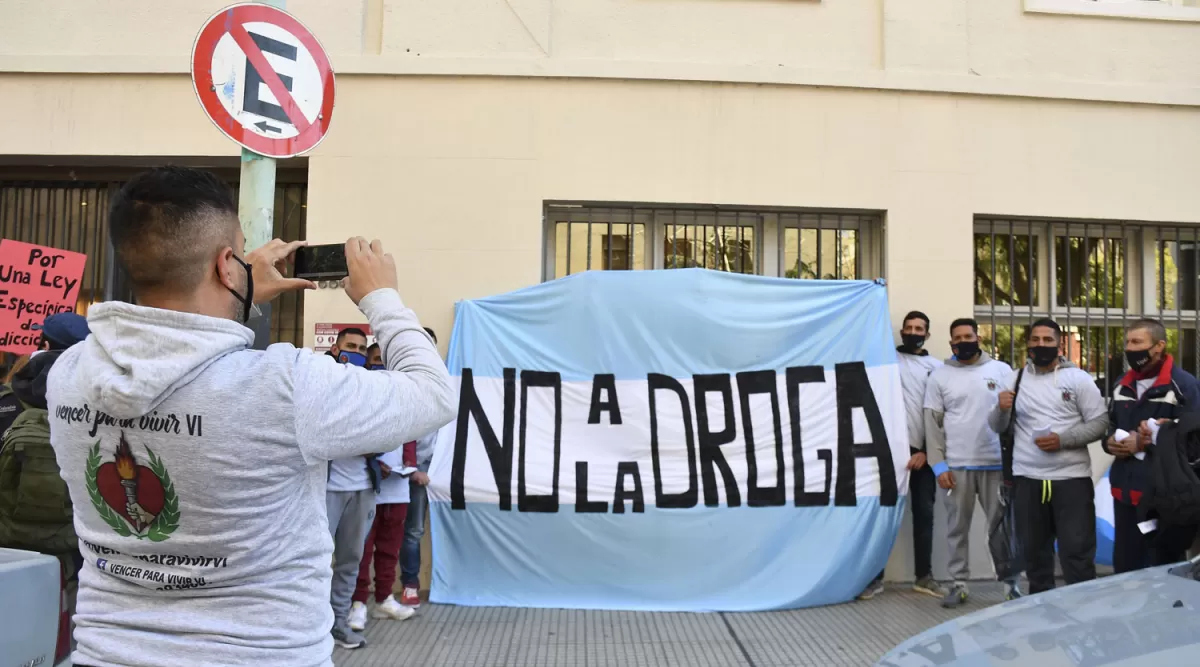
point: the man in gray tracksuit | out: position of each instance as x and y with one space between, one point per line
1059 411
964 450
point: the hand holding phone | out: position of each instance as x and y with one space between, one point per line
268 263
369 269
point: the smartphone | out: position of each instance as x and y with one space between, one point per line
321 262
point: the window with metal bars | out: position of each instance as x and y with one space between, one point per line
73 215
792 243
1106 275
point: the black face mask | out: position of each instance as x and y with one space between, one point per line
966 350
1043 356
1138 359
247 301
912 341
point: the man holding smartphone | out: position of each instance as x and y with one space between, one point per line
196 465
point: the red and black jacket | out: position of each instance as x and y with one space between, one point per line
1174 392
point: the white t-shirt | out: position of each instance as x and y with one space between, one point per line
393 488
349 474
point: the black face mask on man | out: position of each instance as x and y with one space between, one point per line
1138 359
1043 355
247 300
968 349
912 341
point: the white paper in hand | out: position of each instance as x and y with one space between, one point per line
1153 426
1041 432
1120 435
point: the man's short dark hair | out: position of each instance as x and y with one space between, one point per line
168 223
431 334
1151 326
373 348
915 315
1049 324
964 322
350 331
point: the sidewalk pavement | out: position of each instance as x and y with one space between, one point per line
853 634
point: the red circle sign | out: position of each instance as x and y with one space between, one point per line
264 80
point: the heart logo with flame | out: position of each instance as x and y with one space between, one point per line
133 499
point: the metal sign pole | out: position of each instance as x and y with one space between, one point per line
256 211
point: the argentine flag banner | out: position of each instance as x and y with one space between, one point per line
683 440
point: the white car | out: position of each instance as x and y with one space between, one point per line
1148 618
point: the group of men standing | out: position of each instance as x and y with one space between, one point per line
376 508
1017 441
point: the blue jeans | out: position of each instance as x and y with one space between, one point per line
414 530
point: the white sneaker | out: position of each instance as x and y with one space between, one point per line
358 617
389 608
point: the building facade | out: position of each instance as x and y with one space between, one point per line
999 158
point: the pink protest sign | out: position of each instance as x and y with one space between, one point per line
35 283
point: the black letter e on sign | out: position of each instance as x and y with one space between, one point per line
251 102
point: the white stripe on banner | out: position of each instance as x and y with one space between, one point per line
614 451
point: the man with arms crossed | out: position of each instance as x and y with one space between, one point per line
964 450
1059 411
196 464
916 365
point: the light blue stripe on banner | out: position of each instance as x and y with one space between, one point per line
660 560
679 322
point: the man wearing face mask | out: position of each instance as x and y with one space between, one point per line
1154 388
350 347
196 465
351 491
964 451
916 365
1059 412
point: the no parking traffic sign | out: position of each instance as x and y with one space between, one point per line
264 80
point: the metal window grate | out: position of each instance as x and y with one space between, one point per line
789 243
719 240
823 246
1106 275
73 215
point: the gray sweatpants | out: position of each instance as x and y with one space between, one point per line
960 508
350 516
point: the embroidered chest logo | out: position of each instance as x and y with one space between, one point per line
1067 395
991 384
133 499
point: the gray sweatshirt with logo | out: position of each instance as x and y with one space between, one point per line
1065 401
958 399
196 467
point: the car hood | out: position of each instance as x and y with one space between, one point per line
1146 618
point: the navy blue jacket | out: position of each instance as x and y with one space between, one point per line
1174 392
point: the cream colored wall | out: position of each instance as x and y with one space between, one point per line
453 126
988 46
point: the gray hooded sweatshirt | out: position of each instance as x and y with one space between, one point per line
1065 401
196 467
958 399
